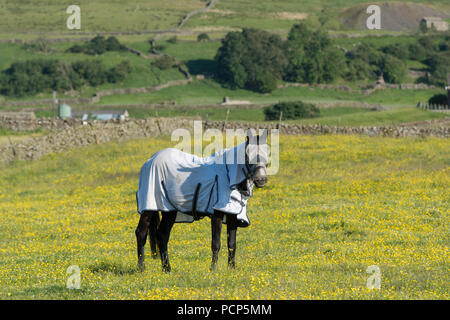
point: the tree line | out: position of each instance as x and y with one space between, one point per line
35 76
255 59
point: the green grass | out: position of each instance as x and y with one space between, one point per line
337 116
209 92
133 15
96 16
354 117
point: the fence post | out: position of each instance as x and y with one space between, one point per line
226 120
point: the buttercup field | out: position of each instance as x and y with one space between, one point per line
342 187
360 201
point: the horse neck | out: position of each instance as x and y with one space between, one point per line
234 160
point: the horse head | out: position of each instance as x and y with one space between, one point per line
257 157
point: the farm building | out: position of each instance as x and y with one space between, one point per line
64 111
103 115
436 22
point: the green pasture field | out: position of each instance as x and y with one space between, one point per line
209 92
132 15
96 16
337 205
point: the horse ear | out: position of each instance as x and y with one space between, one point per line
263 137
249 135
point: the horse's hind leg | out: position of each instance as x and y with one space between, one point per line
163 234
152 234
216 229
141 236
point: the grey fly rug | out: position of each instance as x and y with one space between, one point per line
172 180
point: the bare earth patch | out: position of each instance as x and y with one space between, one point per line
290 15
221 12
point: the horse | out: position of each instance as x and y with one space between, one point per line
186 188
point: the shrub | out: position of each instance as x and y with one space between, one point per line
203 37
291 111
165 62
119 72
439 99
97 46
112 44
173 39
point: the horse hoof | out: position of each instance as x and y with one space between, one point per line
166 269
141 267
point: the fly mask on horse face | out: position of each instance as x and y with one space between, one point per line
257 155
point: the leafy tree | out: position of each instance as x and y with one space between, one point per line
312 58
417 52
358 69
394 70
398 50
252 59
439 66
34 76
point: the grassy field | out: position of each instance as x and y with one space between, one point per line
338 205
338 116
132 15
97 16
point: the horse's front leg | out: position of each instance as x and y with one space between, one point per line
162 235
231 239
216 229
141 236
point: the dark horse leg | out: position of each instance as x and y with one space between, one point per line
141 236
162 236
231 239
216 229
153 229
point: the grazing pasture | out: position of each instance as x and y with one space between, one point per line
338 205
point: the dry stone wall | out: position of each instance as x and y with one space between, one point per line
66 134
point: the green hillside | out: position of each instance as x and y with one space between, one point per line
131 15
